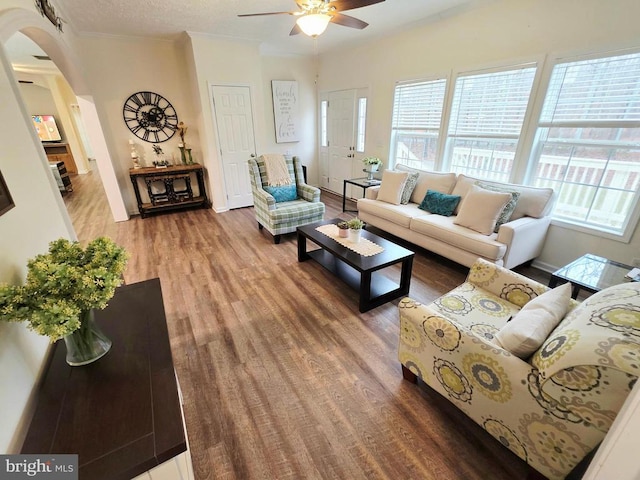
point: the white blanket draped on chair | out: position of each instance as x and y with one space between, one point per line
276 170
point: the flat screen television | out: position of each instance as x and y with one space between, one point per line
46 128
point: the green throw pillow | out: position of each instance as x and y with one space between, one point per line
284 193
439 203
508 209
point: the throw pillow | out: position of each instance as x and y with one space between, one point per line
284 193
480 209
508 209
412 179
392 186
530 327
439 203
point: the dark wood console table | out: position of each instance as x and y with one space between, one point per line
120 414
162 190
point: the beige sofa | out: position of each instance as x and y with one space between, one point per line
519 240
551 407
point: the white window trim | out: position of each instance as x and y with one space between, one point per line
534 106
443 118
539 90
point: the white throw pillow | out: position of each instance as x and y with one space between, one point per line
481 208
392 186
531 326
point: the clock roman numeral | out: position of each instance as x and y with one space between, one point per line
146 97
130 108
134 98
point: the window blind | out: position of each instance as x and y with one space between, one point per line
418 106
600 90
491 104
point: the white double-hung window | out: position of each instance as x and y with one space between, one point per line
487 114
417 115
587 145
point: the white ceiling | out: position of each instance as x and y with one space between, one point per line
169 19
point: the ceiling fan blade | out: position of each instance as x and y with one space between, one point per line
295 30
342 5
347 21
268 13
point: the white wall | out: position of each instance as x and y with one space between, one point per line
303 70
220 61
117 67
500 33
25 231
39 101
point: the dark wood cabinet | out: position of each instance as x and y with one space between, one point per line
60 152
169 188
121 414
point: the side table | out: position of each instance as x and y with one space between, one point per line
363 183
591 273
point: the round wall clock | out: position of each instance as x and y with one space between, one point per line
150 117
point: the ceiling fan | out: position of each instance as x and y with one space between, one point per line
315 15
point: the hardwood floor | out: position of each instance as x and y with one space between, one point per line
282 377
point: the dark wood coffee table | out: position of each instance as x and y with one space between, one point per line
360 272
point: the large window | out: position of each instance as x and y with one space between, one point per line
417 113
487 114
588 141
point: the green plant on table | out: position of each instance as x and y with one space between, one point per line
63 284
355 224
343 225
371 161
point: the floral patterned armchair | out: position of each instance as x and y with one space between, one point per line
284 217
551 409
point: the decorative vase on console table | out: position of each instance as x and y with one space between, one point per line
183 156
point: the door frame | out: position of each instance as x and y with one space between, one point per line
214 122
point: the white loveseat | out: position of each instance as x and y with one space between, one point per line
517 241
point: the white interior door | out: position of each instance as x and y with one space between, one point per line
341 152
234 119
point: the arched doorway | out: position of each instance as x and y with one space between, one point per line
33 27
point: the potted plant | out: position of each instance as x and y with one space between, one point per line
62 289
355 227
371 164
343 229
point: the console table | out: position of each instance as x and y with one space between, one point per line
121 414
169 188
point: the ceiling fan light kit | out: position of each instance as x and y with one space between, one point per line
313 24
315 15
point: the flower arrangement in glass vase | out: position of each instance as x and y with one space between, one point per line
62 289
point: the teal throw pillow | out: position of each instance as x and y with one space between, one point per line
439 203
284 193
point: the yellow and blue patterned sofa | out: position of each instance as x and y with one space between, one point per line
551 409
